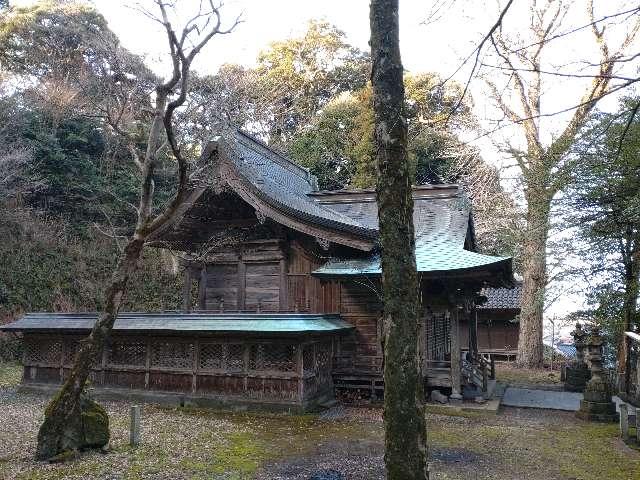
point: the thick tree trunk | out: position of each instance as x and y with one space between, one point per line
63 428
405 428
535 277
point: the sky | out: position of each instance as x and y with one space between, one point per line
435 36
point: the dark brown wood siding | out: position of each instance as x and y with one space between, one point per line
361 307
496 331
222 286
262 286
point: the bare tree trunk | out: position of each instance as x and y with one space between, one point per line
64 427
543 168
405 427
530 346
73 421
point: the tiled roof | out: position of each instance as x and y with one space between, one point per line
502 298
286 186
430 257
287 193
281 323
441 222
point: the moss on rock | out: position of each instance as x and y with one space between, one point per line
95 424
86 428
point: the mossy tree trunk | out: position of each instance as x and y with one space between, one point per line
63 428
72 421
405 427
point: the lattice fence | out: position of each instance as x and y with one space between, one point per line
438 337
42 351
228 357
212 356
127 353
323 356
308 360
172 355
273 357
234 357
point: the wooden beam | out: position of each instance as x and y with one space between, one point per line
202 290
633 336
455 357
284 294
242 284
186 290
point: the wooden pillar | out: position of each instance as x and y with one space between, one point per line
242 283
455 357
300 371
147 363
186 290
473 332
61 363
196 365
283 294
202 290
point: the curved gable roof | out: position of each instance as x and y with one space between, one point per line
274 185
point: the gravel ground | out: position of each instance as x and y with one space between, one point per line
516 444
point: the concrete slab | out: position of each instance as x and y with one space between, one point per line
490 407
546 399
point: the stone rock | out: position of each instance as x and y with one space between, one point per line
327 475
88 427
95 424
436 396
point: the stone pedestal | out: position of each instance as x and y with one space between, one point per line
597 405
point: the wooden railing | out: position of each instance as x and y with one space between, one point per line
480 369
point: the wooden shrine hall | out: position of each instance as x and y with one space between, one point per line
281 298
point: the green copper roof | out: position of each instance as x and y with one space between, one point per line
431 256
282 323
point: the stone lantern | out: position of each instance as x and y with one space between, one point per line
597 404
577 374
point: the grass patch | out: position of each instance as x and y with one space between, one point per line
511 374
566 449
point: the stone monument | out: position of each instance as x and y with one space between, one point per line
577 373
596 405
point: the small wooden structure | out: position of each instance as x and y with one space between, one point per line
265 241
496 322
281 361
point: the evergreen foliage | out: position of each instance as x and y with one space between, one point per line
606 206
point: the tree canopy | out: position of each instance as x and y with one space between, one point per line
605 208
